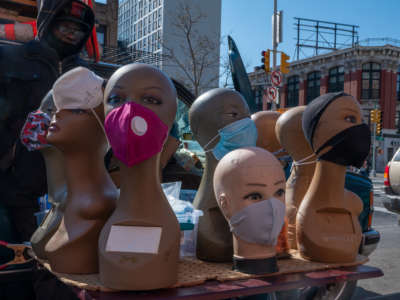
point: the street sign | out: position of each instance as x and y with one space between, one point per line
271 93
276 78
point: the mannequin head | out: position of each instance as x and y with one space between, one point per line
290 133
77 123
246 176
214 110
145 85
333 126
265 122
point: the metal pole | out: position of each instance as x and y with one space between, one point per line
373 172
274 48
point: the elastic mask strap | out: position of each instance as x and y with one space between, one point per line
304 161
102 127
209 143
278 151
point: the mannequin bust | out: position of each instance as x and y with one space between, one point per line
91 194
245 178
327 223
143 216
210 112
290 135
56 188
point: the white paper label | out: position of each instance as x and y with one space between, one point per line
134 239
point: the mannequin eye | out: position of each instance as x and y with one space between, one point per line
279 193
351 119
253 197
151 100
115 100
232 114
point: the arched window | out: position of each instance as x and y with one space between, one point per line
371 81
292 96
336 79
313 85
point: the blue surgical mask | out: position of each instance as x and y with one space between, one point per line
239 134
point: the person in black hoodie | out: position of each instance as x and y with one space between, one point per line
29 70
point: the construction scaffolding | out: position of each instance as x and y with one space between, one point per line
315 37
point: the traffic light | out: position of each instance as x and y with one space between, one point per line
378 122
284 63
373 116
265 60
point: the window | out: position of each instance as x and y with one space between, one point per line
313 85
371 81
336 79
292 97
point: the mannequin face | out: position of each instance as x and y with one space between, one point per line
265 122
245 180
214 110
341 114
144 85
75 126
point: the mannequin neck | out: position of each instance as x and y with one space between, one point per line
141 181
245 250
330 176
55 172
85 170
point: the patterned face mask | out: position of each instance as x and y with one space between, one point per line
34 131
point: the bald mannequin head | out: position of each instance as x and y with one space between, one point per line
290 133
214 110
246 176
145 85
265 122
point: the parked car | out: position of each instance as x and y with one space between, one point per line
392 184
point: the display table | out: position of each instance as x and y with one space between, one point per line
222 290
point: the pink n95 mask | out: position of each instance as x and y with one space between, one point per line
33 134
135 133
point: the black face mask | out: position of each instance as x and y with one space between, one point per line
63 49
350 147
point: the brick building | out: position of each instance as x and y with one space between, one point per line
369 73
107 22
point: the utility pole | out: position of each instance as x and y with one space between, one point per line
274 49
274 36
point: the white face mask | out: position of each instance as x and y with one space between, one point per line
259 223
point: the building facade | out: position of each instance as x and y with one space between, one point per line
369 73
150 25
106 13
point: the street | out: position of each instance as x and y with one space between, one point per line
386 256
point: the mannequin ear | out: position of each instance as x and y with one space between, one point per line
224 204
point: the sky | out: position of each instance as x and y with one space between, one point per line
249 22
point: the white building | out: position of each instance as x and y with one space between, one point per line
150 25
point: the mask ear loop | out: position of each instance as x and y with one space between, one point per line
303 161
102 127
209 143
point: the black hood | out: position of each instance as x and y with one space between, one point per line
47 12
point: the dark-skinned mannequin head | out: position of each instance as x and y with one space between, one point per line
249 186
209 113
140 107
327 223
76 130
56 185
290 135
